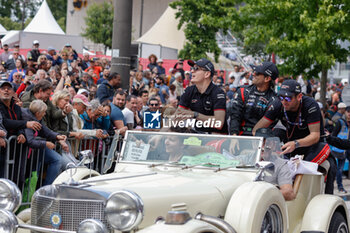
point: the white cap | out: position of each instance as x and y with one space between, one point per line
160 60
35 42
82 90
341 105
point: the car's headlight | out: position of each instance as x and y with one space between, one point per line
124 210
92 226
10 195
8 222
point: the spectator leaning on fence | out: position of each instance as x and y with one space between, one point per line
42 90
12 114
55 161
93 118
80 103
65 125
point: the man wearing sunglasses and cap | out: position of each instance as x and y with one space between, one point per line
302 118
250 103
203 101
35 52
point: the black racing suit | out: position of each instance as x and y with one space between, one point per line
247 108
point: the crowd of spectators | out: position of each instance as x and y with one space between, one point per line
55 95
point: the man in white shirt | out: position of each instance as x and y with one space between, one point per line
129 111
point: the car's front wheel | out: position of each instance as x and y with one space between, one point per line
257 207
338 224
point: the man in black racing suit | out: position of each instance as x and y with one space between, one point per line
251 102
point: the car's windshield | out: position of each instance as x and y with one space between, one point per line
191 149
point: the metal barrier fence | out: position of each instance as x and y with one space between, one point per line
26 166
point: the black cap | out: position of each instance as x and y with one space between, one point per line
264 132
289 87
70 73
3 83
204 63
268 69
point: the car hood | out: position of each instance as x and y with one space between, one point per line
163 189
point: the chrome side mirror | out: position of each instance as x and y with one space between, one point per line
264 166
87 157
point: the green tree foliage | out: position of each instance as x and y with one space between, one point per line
99 23
201 20
59 11
9 24
305 34
5 8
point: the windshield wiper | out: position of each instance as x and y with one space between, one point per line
166 163
202 164
245 166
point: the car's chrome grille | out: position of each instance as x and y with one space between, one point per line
72 212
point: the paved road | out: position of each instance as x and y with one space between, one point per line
346 197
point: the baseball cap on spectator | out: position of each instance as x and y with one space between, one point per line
80 98
171 70
82 91
341 105
16 46
268 69
5 83
204 63
187 72
160 60
35 42
50 49
289 87
67 45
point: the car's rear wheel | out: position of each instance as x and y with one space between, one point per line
338 224
273 221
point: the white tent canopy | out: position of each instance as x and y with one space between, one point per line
3 30
11 38
164 32
44 22
44 28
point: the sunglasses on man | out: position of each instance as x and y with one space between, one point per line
286 98
195 68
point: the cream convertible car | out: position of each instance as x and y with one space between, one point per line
171 182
